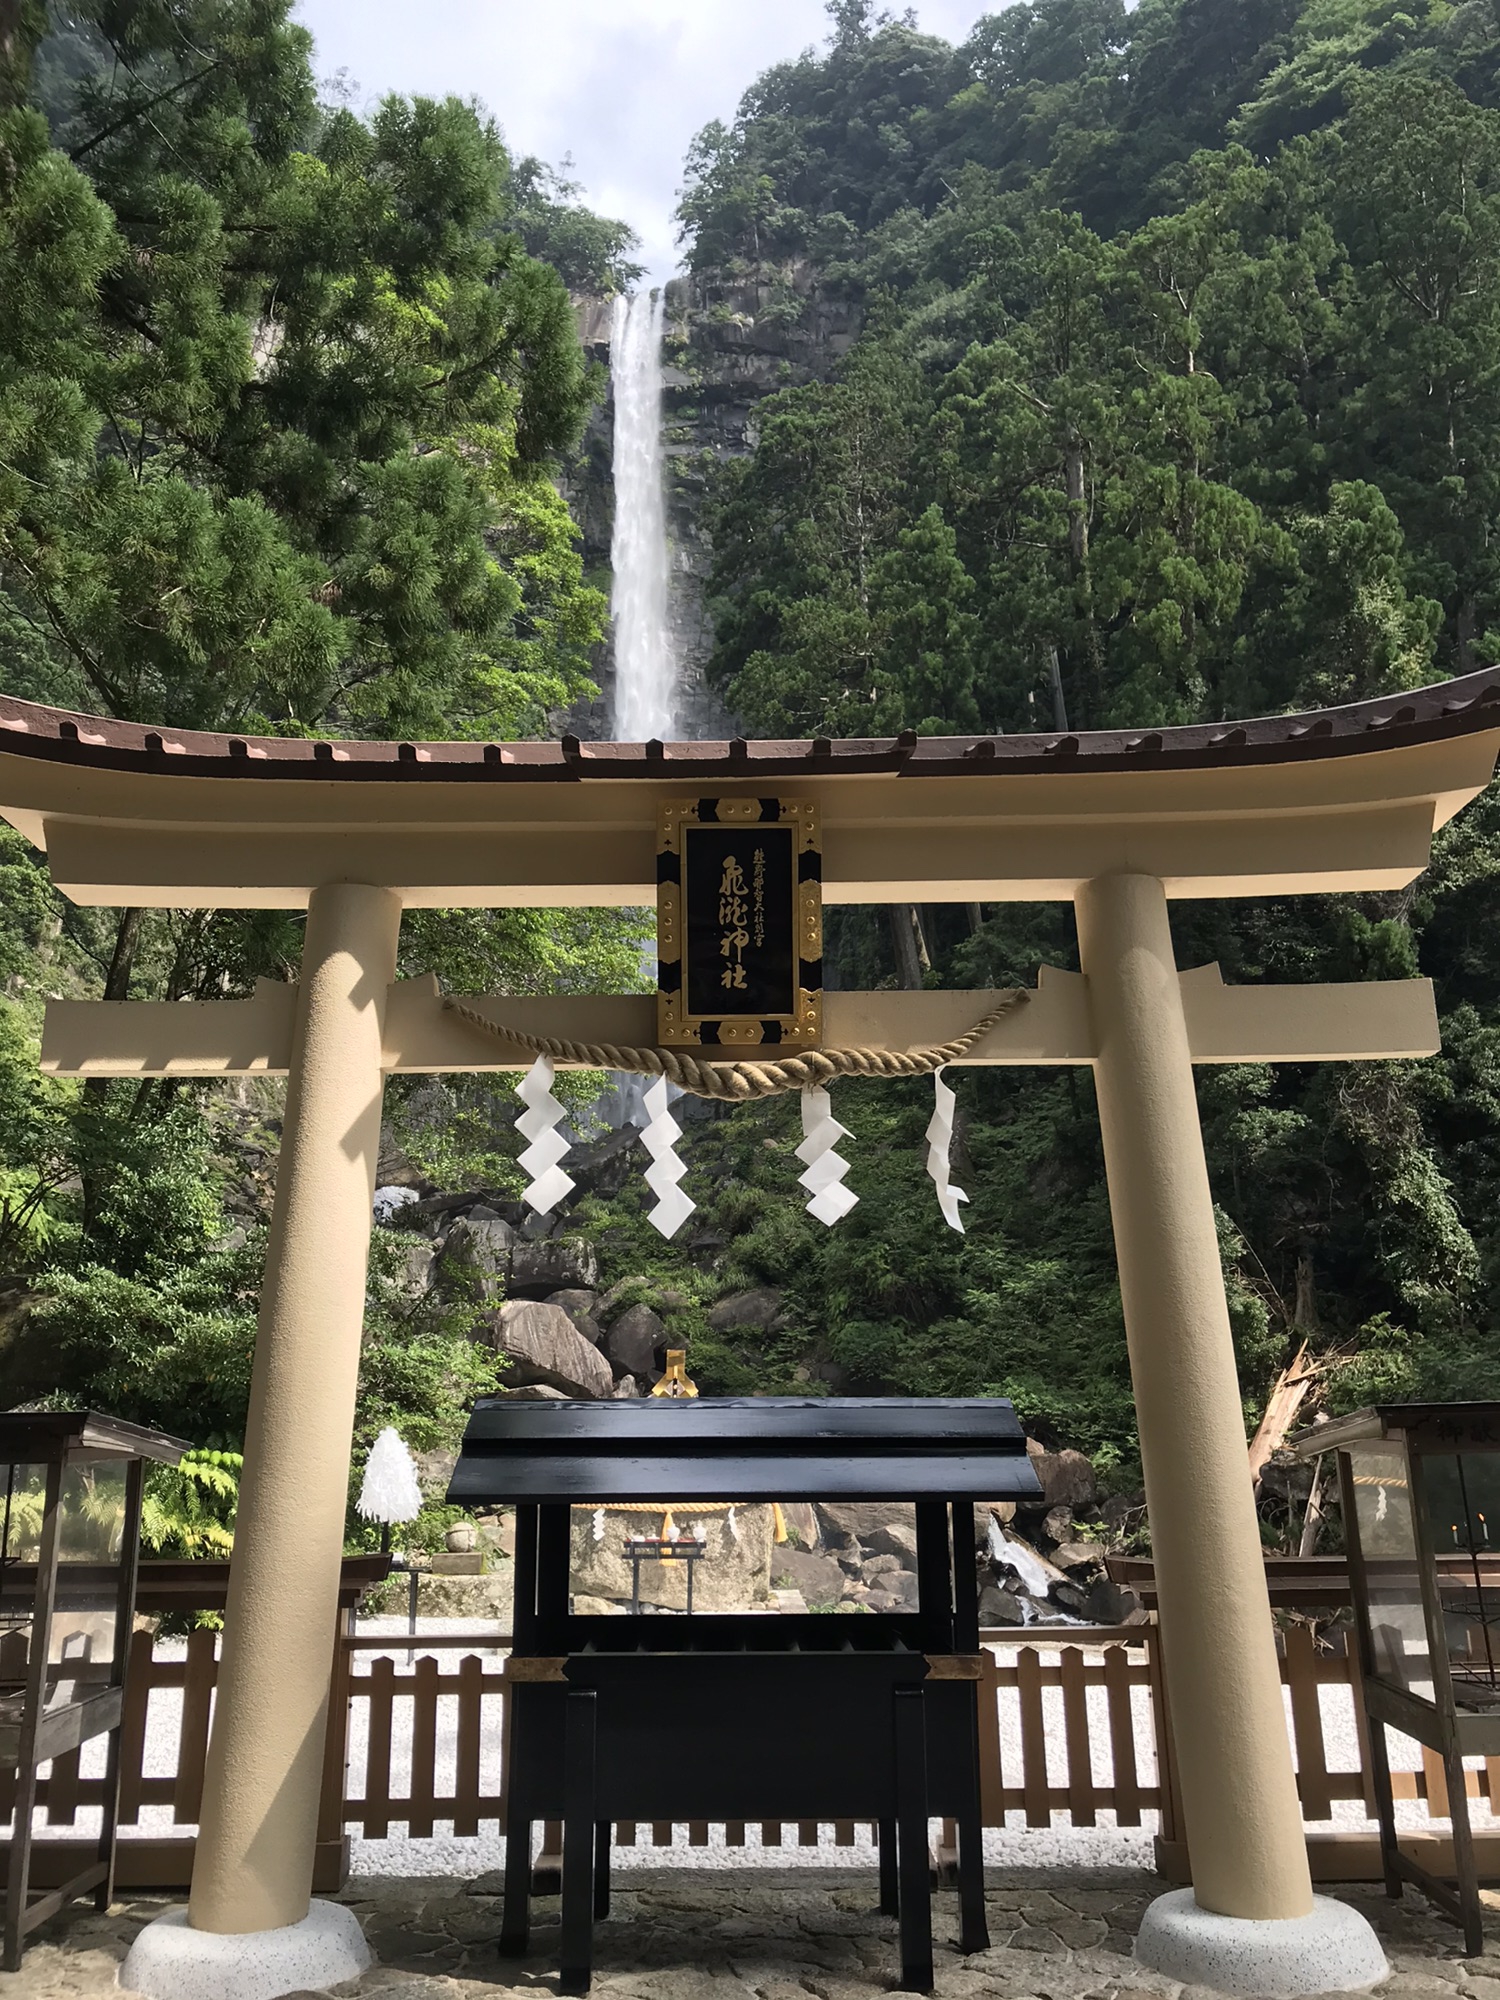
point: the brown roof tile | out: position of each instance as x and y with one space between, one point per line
1451 708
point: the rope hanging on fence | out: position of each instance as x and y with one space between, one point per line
737 1082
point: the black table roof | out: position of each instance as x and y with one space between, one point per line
731 1448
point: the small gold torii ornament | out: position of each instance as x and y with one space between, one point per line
676 1381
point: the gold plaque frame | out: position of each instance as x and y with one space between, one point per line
802 1028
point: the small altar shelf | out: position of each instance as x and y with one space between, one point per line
744 1716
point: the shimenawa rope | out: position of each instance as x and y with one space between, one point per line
738 1081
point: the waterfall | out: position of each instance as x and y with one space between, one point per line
645 671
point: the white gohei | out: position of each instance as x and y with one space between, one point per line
659 1135
939 1144
598 1525
389 1491
539 1123
825 1173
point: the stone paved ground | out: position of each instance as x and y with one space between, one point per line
769 1936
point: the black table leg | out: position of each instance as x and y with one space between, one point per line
890 1899
579 1836
973 1931
911 1842
515 1923
604 1834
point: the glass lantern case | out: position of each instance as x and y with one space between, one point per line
70 1510
1421 1504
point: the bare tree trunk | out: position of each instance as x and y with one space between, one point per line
122 958
96 1088
1059 703
1312 1520
906 936
1076 480
1288 1393
1466 627
975 914
1305 1305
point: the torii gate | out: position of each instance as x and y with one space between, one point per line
1118 823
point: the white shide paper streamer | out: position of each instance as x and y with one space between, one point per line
825 1173
939 1144
659 1136
538 1123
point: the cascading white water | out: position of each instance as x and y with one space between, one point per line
1024 1561
645 670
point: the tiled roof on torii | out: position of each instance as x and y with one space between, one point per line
1423 715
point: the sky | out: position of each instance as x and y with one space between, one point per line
621 85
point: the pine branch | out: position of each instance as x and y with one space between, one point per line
142 110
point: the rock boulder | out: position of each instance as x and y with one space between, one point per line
1073 1556
758 1311
476 1258
579 1303
819 1578
631 1344
1067 1477
801 1519
1111 1603
543 1346
999 1607
434 1470
841 1522
414 1272
895 1538
560 1262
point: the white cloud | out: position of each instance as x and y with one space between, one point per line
621 85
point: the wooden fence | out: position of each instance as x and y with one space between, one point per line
1074 1728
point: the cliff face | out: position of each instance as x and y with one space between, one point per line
732 340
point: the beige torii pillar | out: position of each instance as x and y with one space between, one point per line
1251 1923
254 1867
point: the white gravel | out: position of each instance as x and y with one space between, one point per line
1061 1845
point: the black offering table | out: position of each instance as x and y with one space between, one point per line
870 1716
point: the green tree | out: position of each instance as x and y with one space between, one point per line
1416 181
1172 400
282 400
309 481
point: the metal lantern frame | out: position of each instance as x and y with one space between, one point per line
1462 1716
38 1722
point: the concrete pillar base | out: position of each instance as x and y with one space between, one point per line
172 1961
1333 1950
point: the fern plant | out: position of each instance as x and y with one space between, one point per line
188 1509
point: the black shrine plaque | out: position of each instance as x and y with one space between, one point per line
739 924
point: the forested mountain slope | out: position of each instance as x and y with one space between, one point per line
1176 396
